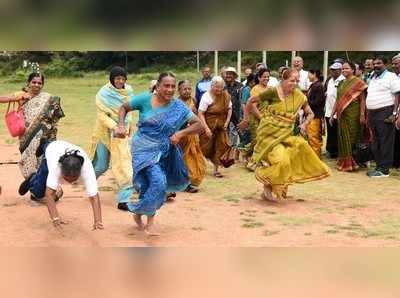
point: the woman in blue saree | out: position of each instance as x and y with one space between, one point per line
157 161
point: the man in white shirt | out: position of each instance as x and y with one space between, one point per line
304 82
331 93
63 162
396 64
396 156
382 102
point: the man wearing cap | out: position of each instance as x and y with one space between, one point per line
233 87
382 102
331 92
203 85
396 157
304 82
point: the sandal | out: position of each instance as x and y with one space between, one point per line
218 175
191 189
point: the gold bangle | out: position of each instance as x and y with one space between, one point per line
55 219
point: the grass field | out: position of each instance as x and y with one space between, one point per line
345 209
78 100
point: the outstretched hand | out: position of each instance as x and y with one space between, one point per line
175 138
243 125
119 132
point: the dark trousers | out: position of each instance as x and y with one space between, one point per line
382 137
332 139
396 153
37 183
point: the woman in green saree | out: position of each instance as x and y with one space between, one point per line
349 110
282 157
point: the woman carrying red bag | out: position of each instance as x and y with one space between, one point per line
41 111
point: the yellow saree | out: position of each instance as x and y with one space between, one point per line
281 157
253 125
108 101
192 154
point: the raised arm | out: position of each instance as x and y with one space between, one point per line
195 127
13 98
253 100
120 130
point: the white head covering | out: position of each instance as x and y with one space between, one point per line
217 80
396 56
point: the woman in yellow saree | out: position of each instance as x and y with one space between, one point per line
254 120
190 144
106 148
349 110
281 156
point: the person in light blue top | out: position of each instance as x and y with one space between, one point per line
203 85
157 161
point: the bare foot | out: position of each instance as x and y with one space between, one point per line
268 196
151 231
138 221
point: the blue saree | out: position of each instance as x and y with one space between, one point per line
158 166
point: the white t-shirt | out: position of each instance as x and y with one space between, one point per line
331 94
273 82
53 153
304 82
207 100
381 90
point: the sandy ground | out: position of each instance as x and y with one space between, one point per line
192 220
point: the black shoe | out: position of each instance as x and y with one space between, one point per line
24 187
191 189
123 206
33 198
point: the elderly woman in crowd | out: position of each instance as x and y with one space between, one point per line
192 155
215 111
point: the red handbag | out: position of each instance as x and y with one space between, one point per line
15 120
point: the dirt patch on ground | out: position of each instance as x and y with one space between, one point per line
344 210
